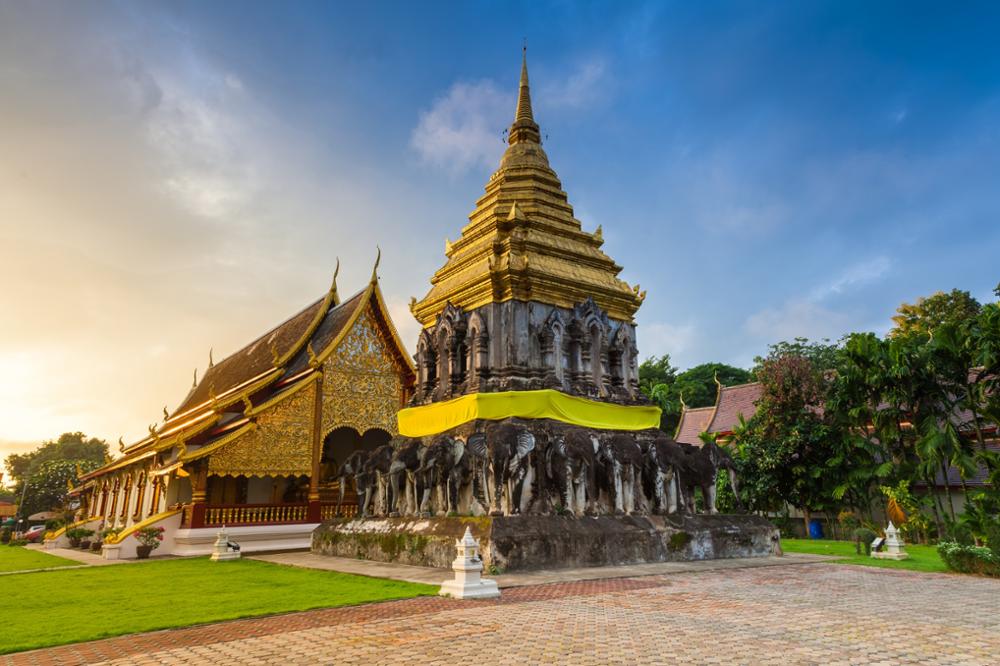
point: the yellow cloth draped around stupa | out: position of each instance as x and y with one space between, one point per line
544 404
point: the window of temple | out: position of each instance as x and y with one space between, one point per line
154 496
443 371
114 499
615 363
339 444
139 496
596 370
126 496
374 438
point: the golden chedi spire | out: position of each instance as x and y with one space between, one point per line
522 241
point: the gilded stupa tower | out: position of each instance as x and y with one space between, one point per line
526 299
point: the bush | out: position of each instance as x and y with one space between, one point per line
18 542
5 535
960 534
992 534
969 559
863 537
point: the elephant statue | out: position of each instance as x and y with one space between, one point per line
698 467
661 476
446 471
507 470
404 471
622 462
353 468
570 464
376 468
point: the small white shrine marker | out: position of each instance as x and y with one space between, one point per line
893 546
468 566
221 550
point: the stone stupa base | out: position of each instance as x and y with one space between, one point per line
532 542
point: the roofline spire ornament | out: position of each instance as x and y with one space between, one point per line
333 285
195 383
210 361
524 128
378 258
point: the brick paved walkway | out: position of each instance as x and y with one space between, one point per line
809 614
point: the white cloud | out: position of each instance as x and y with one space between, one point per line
658 338
797 318
463 128
581 88
856 275
807 317
203 132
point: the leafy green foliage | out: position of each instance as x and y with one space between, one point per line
930 312
970 559
823 355
863 538
49 485
69 446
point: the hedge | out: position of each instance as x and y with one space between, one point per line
969 559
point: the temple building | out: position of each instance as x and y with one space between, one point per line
255 444
721 419
526 302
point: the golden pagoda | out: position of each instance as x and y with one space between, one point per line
526 303
522 241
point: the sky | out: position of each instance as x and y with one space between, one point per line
180 176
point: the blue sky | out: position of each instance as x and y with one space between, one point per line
182 175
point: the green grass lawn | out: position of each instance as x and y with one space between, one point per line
922 558
18 558
57 607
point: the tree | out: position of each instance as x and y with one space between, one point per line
49 484
929 312
69 446
655 370
784 451
823 355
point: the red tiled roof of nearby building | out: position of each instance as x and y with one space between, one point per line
734 402
693 422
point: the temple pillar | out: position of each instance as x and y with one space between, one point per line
199 494
317 451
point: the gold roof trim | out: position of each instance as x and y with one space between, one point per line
284 395
219 443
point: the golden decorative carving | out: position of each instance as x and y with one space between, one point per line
362 386
280 445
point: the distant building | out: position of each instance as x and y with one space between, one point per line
721 419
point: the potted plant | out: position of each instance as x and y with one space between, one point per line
149 540
76 534
85 539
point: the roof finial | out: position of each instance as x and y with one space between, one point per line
195 383
378 258
333 285
210 361
524 127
